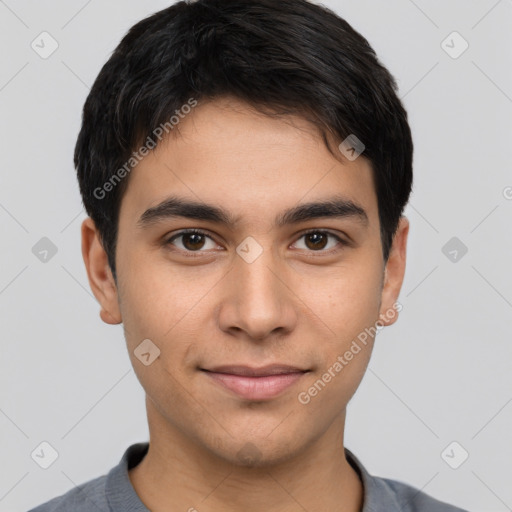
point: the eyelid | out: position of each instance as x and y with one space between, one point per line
169 239
341 241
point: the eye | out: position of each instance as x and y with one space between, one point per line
317 241
192 240
195 240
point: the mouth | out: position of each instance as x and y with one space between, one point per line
251 383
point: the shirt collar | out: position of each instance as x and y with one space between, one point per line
121 495
376 494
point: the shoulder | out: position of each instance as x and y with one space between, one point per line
83 498
387 495
111 491
409 498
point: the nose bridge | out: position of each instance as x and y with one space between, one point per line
257 302
257 278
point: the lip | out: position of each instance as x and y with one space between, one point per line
250 371
251 383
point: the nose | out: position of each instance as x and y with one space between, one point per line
257 301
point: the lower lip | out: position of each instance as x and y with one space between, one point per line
256 388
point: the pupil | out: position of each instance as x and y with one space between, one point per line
194 244
317 237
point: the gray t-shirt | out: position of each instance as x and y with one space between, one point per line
114 492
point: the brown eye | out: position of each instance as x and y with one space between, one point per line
318 241
191 241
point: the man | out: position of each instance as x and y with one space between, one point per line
245 165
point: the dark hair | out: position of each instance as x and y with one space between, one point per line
286 56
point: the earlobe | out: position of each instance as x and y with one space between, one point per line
99 274
108 318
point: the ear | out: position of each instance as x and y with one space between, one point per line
394 275
99 273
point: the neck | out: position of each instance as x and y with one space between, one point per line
178 471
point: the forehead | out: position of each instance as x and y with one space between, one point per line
225 152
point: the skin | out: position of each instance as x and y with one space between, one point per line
295 304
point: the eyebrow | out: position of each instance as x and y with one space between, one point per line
172 207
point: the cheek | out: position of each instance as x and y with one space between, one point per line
347 302
156 295
345 356
159 303
154 310
346 299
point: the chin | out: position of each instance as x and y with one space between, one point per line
257 453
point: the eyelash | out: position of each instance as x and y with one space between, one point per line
195 254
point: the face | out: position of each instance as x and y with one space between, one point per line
263 281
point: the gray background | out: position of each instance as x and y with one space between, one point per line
441 374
